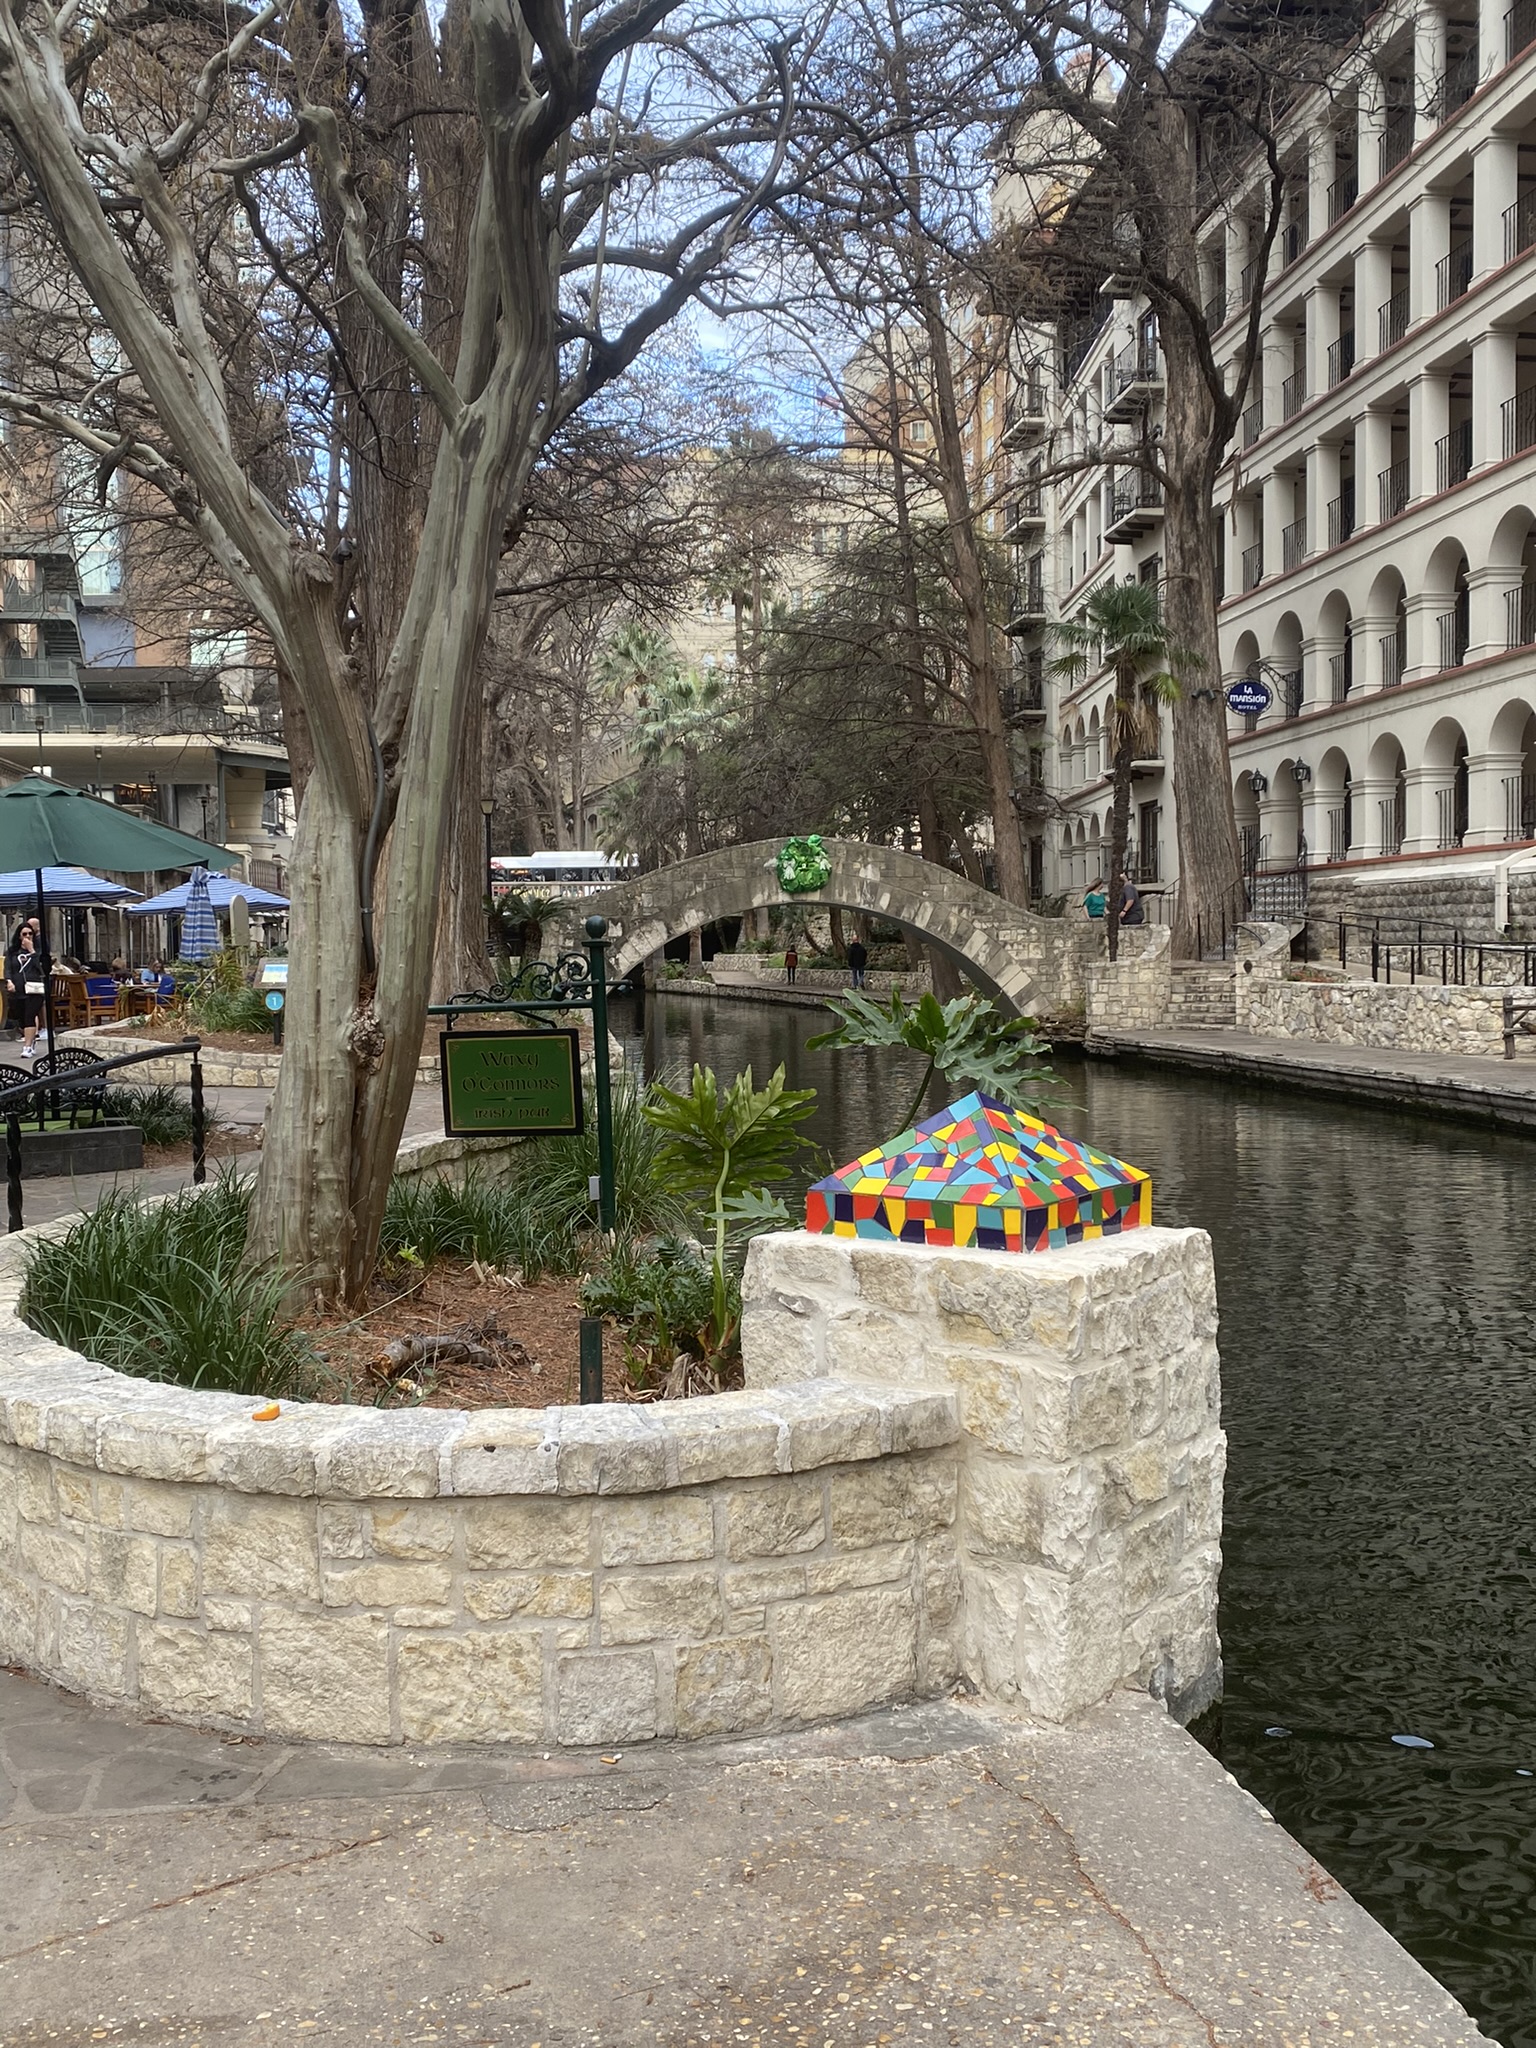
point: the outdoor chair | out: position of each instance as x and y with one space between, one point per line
86 1102
13 1077
100 999
71 1009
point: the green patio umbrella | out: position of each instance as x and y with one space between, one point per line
47 824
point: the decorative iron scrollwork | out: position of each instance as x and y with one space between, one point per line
567 980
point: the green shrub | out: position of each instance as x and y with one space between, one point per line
538 1213
162 1113
661 1300
218 1009
162 1293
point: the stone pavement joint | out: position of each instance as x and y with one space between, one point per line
929 1874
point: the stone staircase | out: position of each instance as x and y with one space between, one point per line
1204 995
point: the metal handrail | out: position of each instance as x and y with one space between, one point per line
1514 1012
1456 953
43 1085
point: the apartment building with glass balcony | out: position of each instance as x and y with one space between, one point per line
1377 514
88 694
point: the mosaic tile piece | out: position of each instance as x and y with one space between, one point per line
979 1173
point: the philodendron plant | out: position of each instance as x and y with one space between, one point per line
722 1147
966 1040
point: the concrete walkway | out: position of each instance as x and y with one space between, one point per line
1487 1091
44 1201
932 1874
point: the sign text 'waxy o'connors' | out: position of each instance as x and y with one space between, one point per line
511 1083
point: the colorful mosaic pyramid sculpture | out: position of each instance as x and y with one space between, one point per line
981 1174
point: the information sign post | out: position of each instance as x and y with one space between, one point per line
527 1082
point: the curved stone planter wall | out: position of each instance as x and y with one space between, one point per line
952 1464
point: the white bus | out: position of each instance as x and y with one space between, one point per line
559 874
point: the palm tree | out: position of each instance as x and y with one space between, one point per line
1121 628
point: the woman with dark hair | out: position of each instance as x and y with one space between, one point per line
25 985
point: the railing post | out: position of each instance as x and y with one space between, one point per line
13 1170
1509 1034
1343 943
591 1361
597 953
1375 955
199 1126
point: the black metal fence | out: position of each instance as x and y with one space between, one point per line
1441 954
31 1097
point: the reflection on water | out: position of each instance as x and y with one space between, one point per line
1378 1300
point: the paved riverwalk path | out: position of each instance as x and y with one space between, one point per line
1488 1091
933 1874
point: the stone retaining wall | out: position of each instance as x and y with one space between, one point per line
1419 1018
995 1466
1135 992
221 1067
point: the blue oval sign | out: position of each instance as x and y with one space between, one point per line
1249 697
274 999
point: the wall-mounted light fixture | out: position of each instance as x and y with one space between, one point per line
1258 782
1302 773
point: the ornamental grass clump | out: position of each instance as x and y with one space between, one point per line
162 1114
162 1293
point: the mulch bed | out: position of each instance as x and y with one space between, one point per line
523 1341
222 1144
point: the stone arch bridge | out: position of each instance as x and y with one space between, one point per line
1033 964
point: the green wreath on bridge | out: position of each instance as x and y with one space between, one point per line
803 864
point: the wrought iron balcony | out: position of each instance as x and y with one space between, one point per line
1253 565
1342 194
1341 516
1520 615
1293 394
1457 84
1253 422
1341 358
1137 506
1293 240
1453 457
1391 651
1519 29
1453 276
1216 310
1392 490
1392 321
1519 421
1396 139
1520 226
1451 628
1293 544
1341 674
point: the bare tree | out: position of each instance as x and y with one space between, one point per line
472 234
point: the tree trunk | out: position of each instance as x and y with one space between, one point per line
835 927
461 958
1119 821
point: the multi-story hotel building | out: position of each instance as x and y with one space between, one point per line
1376 517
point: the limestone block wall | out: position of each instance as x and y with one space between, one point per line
1135 992
1422 1017
1263 955
1091 1461
999 1467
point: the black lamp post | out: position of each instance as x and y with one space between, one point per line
487 807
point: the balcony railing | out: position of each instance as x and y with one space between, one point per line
1293 544
1341 358
1520 225
1520 615
141 721
1338 832
1293 685
1029 589
1392 320
1250 279
1457 84
1341 517
1392 490
1520 807
1519 421
1519 29
1391 816
1450 817
1253 422
1024 696
1391 650
1293 240
1396 138
1453 276
1216 310
1342 194
1253 565
1451 628
1341 674
1293 394
1453 457
40 668
49 602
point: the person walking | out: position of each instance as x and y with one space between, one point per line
858 960
791 962
25 986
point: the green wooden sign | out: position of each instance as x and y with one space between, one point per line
499 1084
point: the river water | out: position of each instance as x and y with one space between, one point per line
1377 1280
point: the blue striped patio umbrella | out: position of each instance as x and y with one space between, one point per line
199 926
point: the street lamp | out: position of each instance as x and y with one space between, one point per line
487 807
